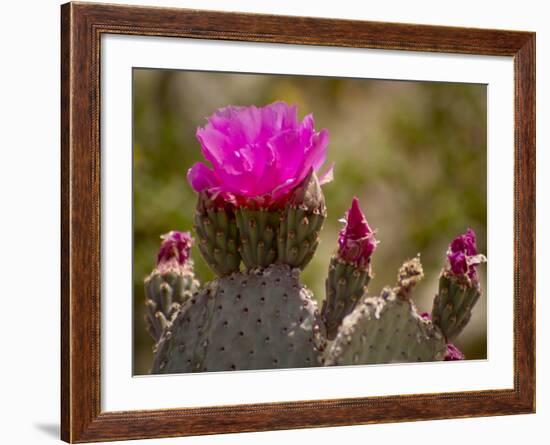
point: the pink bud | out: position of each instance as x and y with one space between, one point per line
174 249
463 257
356 241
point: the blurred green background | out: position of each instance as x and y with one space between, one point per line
414 153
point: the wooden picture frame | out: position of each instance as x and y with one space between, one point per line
82 25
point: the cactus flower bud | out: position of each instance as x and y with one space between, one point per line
453 353
349 270
463 257
356 241
258 155
174 250
170 284
459 287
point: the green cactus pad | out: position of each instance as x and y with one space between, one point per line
345 286
258 236
218 241
298 236
165 292
452 308
301 223
256 320
386 329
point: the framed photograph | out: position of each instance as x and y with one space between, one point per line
274 222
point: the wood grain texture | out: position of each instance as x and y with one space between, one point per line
81 28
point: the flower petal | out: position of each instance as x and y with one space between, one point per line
201 177
316 153
174 249
462 255
241 125
327 176
278 116
215 146
287 153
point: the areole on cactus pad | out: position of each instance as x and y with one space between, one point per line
258 219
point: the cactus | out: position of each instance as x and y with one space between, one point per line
301 222
257 234
252 320
170 284
388 328
262 204
349 270
459 288
216 228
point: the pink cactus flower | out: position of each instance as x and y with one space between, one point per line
258 155
356 241
463 257
174 249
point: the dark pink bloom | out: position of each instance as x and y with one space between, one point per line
462 255
465 243
453 353
458 261
174 249
356 241
257 155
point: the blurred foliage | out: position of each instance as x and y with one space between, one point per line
414 153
